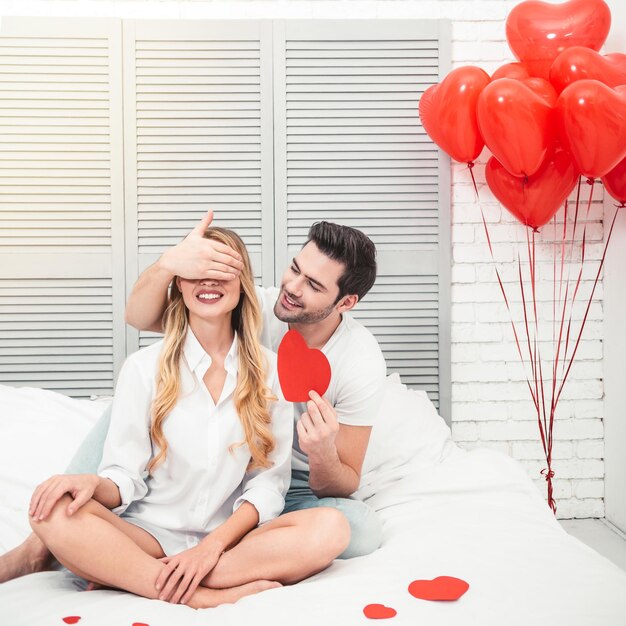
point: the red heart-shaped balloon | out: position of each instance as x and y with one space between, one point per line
534 201
301 369
379 611
538 32
517 71
615 182
580 63
71 619
448 113
542 88
516 124
440 588
592 125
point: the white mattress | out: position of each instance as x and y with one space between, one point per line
473 515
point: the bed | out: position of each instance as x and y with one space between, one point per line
473 515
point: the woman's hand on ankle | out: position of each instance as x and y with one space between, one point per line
185 571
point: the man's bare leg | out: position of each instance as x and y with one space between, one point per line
29 557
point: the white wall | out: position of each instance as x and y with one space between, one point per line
615 332
490 402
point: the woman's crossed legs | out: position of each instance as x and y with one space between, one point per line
96 544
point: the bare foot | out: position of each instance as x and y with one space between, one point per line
205 598
91 586
29 557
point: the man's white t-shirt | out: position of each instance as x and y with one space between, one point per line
357 366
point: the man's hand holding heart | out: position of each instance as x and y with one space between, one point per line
317 429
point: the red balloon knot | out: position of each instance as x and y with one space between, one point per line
591 181
548 473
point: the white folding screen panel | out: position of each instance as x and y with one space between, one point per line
273 124
61 208
349 148
198 135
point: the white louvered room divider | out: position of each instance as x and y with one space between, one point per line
272 123
61 204
350 149
198 135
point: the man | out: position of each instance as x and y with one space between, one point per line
334 270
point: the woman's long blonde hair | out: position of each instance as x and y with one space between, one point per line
251 395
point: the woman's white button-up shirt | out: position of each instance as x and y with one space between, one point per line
201 483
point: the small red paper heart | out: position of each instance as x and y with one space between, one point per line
301 369
72 619
139 624
440 588
379 611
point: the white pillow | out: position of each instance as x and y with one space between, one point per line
39 432
408 435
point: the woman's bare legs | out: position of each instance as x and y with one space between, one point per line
288 549
96 544
29 557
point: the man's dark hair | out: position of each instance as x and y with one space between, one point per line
352 248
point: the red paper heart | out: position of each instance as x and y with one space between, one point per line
538 32
301 369
592 125
139 624
440 588
379 611
534 201
448 113
580 63
72 619
516 124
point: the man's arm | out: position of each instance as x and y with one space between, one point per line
339 474
335 450
148 299
194 257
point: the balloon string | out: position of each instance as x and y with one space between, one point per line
506 301
569 267
583 248
470 167
595 284
534 393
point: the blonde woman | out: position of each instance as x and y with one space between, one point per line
197 455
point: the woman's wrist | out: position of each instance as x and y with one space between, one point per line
213 544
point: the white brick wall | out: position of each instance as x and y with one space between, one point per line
490 400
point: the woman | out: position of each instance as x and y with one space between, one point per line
197 455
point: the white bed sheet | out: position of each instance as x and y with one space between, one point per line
475 515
